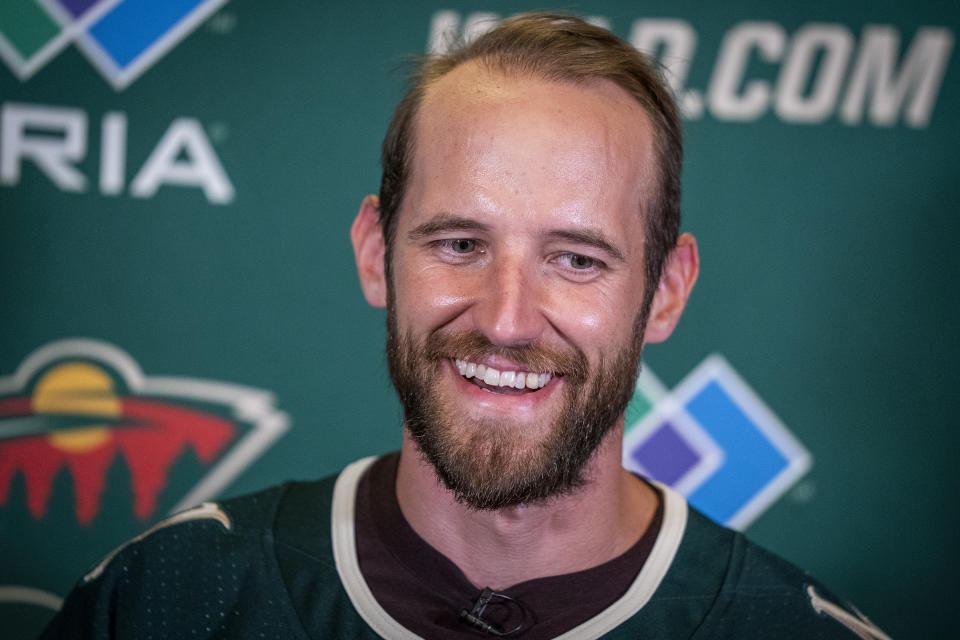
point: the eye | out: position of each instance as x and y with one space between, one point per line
462 245
580 262
579 266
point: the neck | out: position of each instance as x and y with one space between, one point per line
500 548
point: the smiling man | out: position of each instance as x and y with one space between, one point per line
526 246
513 270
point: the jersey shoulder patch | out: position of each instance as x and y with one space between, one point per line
205 511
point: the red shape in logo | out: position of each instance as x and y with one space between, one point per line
156 435
73 419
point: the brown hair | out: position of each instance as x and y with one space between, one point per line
561 48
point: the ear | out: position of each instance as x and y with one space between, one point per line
369 249
676 281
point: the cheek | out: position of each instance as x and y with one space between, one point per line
430 294
593 316
584 317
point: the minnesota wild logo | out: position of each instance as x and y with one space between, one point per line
78 405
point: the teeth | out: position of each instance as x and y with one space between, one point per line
496 378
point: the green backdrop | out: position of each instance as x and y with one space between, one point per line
188 219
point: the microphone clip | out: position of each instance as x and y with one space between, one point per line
474 616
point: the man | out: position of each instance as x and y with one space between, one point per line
525 245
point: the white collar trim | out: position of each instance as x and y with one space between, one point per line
646 583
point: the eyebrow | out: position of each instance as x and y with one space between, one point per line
587 237
443 222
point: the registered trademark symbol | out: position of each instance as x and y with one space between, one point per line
222 23
218 131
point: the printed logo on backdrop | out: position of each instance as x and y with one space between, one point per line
121 38
714 441
822 70
77 406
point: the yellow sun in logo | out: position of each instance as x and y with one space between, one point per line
77 388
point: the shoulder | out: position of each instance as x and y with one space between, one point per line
183 537
201 536
759 594
209 566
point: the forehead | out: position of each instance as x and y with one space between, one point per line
526 139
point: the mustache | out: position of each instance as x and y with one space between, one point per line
474 346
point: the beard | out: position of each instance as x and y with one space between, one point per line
486 463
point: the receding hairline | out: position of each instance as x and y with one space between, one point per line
489 68
603 89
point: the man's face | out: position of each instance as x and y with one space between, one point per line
519 251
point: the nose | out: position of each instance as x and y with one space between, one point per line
508 310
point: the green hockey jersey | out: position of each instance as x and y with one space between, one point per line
212 572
